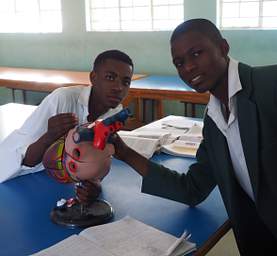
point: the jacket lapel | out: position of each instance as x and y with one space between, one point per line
248 126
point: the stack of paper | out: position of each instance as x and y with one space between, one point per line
126 237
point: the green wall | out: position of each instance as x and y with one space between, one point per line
75 48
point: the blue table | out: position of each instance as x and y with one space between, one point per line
161 87
26 202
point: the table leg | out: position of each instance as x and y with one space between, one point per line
24 96
192 110
144 110
159 108
185 108
138 110
186 112
13 94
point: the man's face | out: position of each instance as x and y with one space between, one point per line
111 81
201 63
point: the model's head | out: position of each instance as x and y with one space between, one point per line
68 161
111 77
200 54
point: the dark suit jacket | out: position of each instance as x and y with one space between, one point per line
254 223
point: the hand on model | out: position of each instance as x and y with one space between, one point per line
130 156
87 191
59 125
121 149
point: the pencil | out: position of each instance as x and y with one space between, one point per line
176 243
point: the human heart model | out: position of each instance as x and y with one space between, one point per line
85 152
82 156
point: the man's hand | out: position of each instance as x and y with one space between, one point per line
121 149
129 156
88 191
59 125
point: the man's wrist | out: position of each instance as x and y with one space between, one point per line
126 154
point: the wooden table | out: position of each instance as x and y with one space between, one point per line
43 80
153 87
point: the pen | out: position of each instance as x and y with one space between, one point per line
183 237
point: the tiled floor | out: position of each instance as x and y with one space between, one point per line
226 246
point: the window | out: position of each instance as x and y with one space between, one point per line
133 15
248 14
30 16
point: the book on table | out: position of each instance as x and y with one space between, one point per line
174 135
125 237
185 145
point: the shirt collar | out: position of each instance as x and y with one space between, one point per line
234 85
84 96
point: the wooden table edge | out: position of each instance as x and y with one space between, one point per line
201 251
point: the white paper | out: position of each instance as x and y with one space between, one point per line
175 125
189 138
144 133
126 237
130 237
145 143
74 245
143 146
180 123
181 148
195 131
185 145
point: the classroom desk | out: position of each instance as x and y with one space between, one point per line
26 202
43 80
158 88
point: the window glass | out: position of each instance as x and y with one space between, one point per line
134 15
245 14
30 16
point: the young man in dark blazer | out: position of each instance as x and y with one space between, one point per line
239 144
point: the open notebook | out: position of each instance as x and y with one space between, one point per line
126 237
185 145
175 135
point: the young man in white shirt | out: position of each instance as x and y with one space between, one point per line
239 144
22 151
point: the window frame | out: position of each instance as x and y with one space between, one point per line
260 18
152 28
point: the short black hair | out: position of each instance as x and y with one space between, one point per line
202 26
112 54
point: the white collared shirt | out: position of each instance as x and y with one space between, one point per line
72 99
230 129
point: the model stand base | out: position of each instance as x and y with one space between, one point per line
77 215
